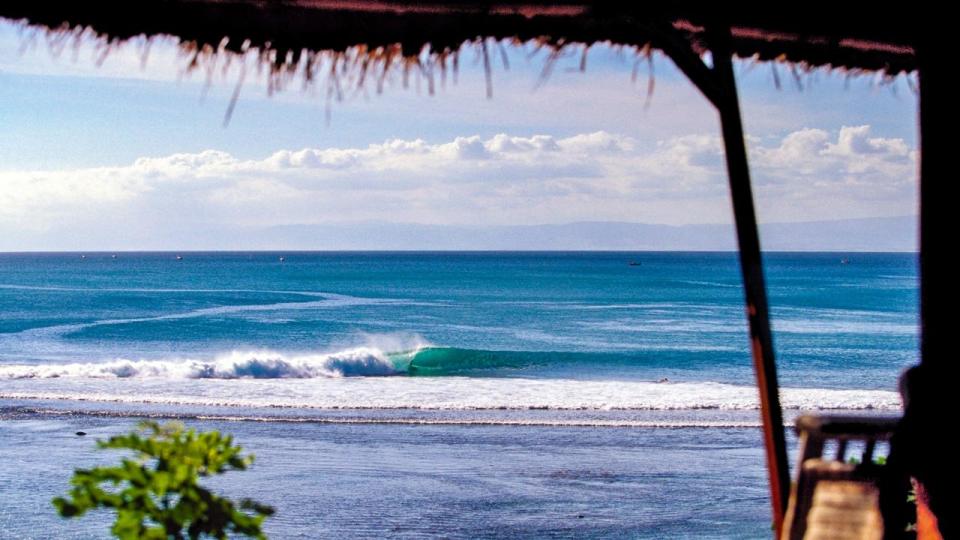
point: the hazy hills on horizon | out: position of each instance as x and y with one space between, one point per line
897 234
867 234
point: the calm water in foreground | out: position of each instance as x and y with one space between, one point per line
430 394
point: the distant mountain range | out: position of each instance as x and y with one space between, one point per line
869 234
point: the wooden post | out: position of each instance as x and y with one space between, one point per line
936 215
751 265
922 448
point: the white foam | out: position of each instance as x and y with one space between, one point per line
441 393
358 361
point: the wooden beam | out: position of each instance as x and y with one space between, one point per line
677 48
719 86
751 265
922 448
936 212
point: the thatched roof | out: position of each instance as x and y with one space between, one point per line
285 30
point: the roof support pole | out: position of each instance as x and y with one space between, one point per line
751 265
937 211
921 447
719 86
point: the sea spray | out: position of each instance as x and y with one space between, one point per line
359 361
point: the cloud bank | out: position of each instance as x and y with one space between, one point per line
206 197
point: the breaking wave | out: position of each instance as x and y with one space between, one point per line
360 361
368 361
418 376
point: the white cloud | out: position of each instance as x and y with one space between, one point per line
857 141
810 174
850 174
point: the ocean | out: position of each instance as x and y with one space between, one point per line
459 395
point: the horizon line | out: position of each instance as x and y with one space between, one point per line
215 250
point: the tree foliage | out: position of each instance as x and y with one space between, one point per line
157 493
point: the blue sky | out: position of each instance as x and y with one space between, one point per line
85 146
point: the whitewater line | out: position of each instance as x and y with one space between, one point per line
408 399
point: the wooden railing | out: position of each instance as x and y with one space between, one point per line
836 494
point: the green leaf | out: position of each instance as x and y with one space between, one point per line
157 493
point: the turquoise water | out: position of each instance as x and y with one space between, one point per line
531 314
426 383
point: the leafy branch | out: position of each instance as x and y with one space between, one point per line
157 493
